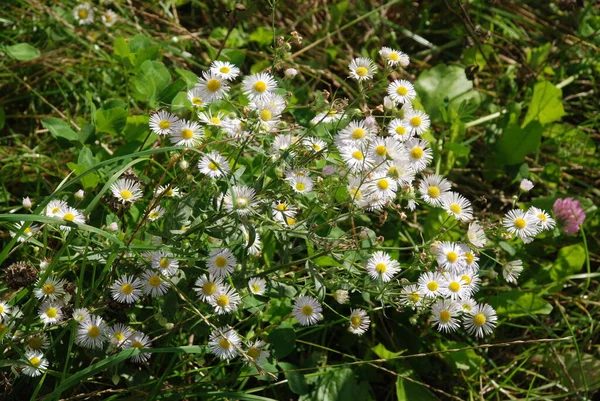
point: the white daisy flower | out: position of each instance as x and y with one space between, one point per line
256 352
118 334
476 235
235 128
187 133
126 289
383 187
401 91
417 121
419 154
525 185
153 284
394 57
520 223
50 312
388 148
433 189
450 256
168 191
481 320
307 310
257 285
53 207
411 296
400 170
72 215
430 284
194 95
225 70
164 263
362 68
208 286
381 265
241 199
454 287
27 232
281 143
156 213
215 120
221 262
301 184
52 288
470 258
281 210
458 206
512 270
341 296
126 190
355 188
224 342
4 310
356 133
225 301
213 165
400 129
84 14
139 340
38 342
314 144
543 219
258 86
163 123
356 158
445 315
359 321
212 87
273 103
466 304
80 315
91 333
35 363
254 248
109 18
327 117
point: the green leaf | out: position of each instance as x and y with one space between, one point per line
443 84
112 121
296 380
190 78
283 339
569 261
517 142
538 56
120 47
22 51
2 117
518 303
60 130
263 36
234 56
410 391
338 385
382 352
546 105
152 78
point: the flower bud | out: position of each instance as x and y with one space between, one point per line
27 204
291 72
79 194
183 164
341 296
113 226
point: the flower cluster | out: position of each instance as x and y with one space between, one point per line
85 14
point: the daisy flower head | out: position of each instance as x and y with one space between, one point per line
118 334
212 87
208 286
225 301
476 235
430 284
126 289
224 342
301 183
257 285
314 144
307 310
466 304
257 353
253 248
394 57
455 288
470 258
72 215
194 95
258 86
450 256
411 296
38 341
163 123
419 154
326 117
389 148
512 270
356 158
209 118
381 265
80 315
383 187
27 232
50 289
400 129
543 219
84 14
221 262
168 191
4 310
401 91
213 165
53 207
359 321
522 224
362 68
481 320
235 128
355 133
281 210
50 312
433 189
417 121
91 333
164 263
525 185
445 315
139 340
126 190
153 284
400 170
280 144
241 199
156 213
458 206
187 133
35 363
225 70
109 18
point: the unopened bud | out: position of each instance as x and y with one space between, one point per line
113 226
291 72
388 103
27 204
341 296
79 194
183 164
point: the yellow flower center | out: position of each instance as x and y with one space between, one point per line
466 279
416 153
433 192
479 319
223 300
126 194
383 184
55 210
107 17
520 223
358 133
380 268
213 85
51 313
164 124
69 217
542 217
316 147
224 70
282 207
393 172
394 56
415 121
265 115
466 307
220 262
362 71
470 258
82 14
153 215
27 230
355 321
260 86
94 331
127 289
224 343
290 221
253 352
197 101
48 289
400 130
154 281
307 310
1 309
300 187
414 297
454 286
445 316
402 91
187 133
255 288
357 155
215 120
209 288
35 361
213 166
455 208
355 193
331 112
381 150
164 263
432 286
137 344
452 256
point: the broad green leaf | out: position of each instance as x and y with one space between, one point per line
234 56
537 57
60 130
518 303
283 339
410 391
190 78
443 84
152 78
296 380
546 104
338 385
517 142
382 352
22 51
120 47
263 36
569 261
112 120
